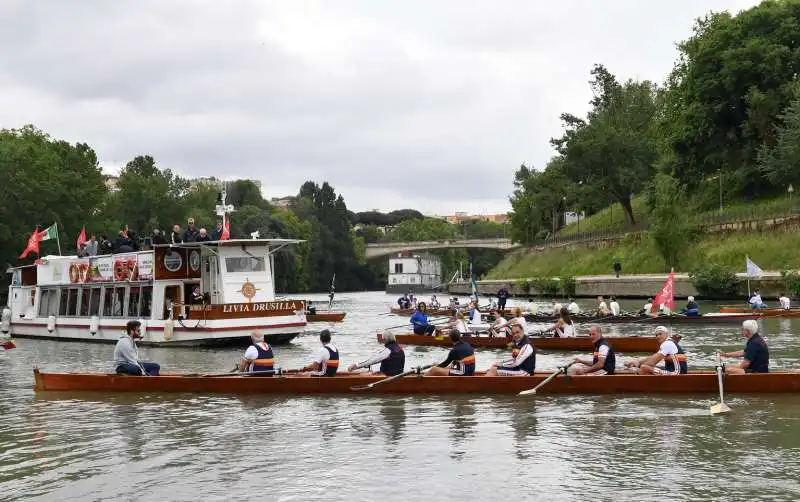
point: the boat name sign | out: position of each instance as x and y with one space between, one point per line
294 305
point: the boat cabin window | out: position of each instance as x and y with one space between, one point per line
84 308
44 301
113 301
94 301
244 264
139 299
147 300
72 307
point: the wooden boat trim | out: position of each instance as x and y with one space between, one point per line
643 344
326 317
695 383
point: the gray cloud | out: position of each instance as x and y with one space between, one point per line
423 104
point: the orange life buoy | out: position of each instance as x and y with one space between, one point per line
74 273
133 270
120 270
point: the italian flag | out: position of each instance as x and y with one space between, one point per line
48 233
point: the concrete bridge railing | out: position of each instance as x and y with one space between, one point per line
377 249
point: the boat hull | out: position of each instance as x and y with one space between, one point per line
326 317
584 344
694 383
761 312
666 320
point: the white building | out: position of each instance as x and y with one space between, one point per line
417 273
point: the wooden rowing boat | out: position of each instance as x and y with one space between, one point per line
441 311
732 318
581 343
761 312
326 317
415 384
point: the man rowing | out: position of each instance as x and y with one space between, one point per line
564 327
391 357
669 351
500 325
460 361
692 307
523 357
126 354
326 361
258 358
604 361
404 302
419 320
602 308
755 356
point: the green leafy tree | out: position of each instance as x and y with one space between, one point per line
539 201
780 163
669 221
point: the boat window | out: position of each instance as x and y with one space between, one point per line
114 301
64 300
398 268
44 300
84 308
133 302
94 302
244 264
52 307
72 307
147 300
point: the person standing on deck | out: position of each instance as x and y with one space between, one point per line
217 233
669 351
126 354
391 357
755 356
785 302
460 361
326 362
604 361
523 357
419 320
258 357
502 296
614 306
191 233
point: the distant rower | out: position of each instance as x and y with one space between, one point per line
755 356
391 357
460 361
692 308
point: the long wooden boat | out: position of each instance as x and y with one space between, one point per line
431 312
732 318
326 317
578 343
699 383
762 312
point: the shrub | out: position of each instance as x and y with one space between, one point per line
791 281
523 285
715 281
567 284
545 285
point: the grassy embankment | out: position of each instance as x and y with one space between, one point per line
770 250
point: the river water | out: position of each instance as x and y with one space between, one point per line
92 447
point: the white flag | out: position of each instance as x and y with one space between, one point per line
753 270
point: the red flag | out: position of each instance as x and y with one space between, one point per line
666 295
226 230
82 237
33 243
8 344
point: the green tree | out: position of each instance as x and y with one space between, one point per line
779 163
539 201
669 221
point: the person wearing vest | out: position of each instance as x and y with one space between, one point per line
460 361
755 356
604 361
326 362
669 352
258 357
523 357
391 357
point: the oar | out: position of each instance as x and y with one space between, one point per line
546 380
721 407
418 369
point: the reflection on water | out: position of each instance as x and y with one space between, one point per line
85 446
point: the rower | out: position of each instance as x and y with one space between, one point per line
460 361
573 307
756 302
403 302
391 357
500 325
602 308
523 357
555 308
460 325
326 362
647 307
126 354
474 313
692 308
258 357
614 306
564 327
785 302
434 302
420 321
604 361
518 318
669 351
755 356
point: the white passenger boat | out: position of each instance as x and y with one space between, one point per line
91 299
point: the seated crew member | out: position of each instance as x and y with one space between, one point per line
785 302
756 302
518 318
126 354
523 357
460 325
564 327
434 302
326 361
404 302
500 326
755 356
460 361
604 361
391 357
669 351
692 308
614 306
419 320
602 308
555 308
474 313
573 307
647 307
258 357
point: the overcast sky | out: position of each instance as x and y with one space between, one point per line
424 104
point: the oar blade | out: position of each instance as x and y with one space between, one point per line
357 388
720 408
527 392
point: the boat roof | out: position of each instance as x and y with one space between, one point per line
232 242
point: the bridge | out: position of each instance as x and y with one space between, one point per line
387 248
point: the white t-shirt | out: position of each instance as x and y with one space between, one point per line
602 352
567 330
615 308
756 300
574 308
602 308
461 327
500 323
557 308
785 302
522 322
533 308
668 348
647 307
475 317
321 358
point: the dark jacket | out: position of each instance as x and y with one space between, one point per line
191 235
175 238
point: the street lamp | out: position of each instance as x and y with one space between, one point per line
791 191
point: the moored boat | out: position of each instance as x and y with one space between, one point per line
343 383
775 312
578 343
325 316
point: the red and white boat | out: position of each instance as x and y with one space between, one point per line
91 299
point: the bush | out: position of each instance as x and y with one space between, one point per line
715 281
523 285
791 281
567 284
545 285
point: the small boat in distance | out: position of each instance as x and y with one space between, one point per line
772 312
325 316
578 343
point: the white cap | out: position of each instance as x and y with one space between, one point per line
691 298
661 330
751 326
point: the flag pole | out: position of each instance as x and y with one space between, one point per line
58 239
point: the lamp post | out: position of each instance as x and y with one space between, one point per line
791 191
720 190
